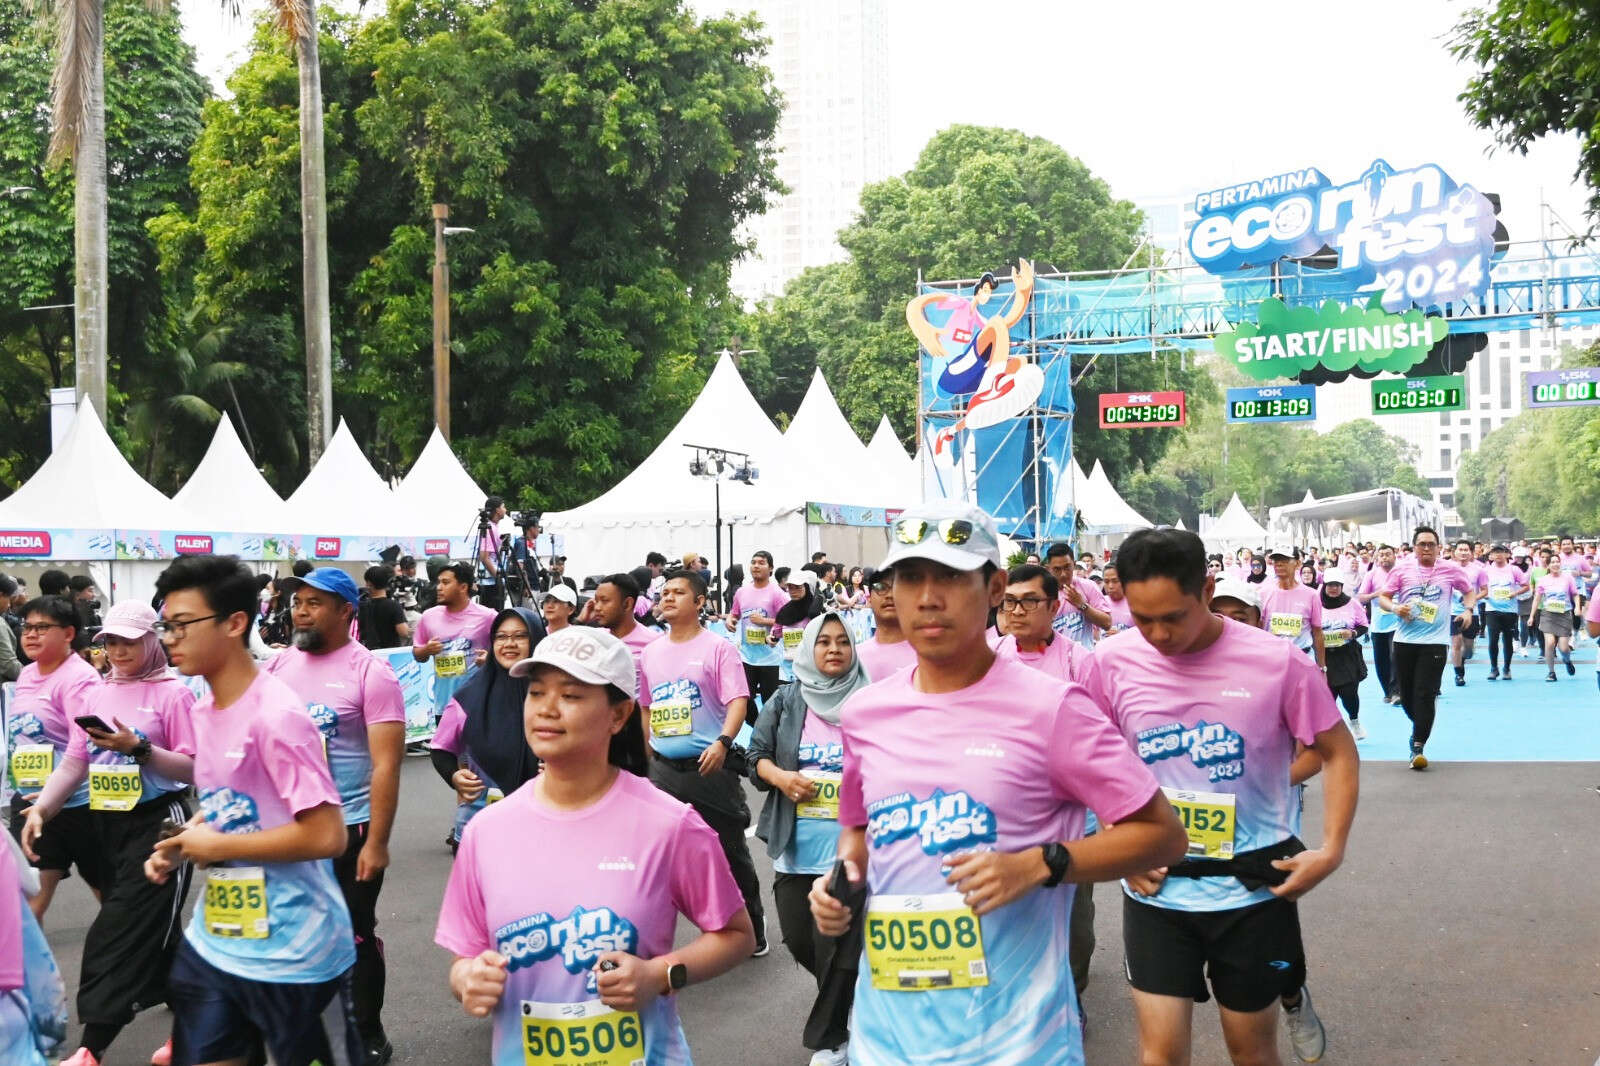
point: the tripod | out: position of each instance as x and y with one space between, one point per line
491 584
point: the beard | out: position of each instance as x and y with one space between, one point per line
310 640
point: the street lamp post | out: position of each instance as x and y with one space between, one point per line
441 317
712 463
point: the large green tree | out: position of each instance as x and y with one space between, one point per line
1537 67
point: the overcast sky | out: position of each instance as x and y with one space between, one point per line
1165 99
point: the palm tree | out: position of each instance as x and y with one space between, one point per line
78 134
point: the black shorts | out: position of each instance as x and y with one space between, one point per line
1252 955
69 839
1469 631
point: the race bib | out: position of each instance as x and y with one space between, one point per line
1500 597
1427 611
31 764
825 804
1286 625
924 943
114 788
755 634
1335 638
580 1034
450 663
791 641
1208 821
1557 604
493 795
236 902
671 718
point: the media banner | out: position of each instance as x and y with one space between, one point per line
846 514
137 544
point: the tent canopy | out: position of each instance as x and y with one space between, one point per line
438 484
1101 509
1234 528
897 472
227 494
344 495
827 461
1370 508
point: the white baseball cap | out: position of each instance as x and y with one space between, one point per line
563 592
951 532
589 654
1231 588
1338 577
801 577
1279 546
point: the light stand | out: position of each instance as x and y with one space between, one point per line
713 463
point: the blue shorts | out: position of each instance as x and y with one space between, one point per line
217 1015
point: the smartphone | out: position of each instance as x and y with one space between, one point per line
93 721
839 881
169 828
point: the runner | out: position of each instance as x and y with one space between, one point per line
267 954
962 777
1290 608
1418 591
612 607
1383 622
1116 602
1082 607
804 604
558 606
1215 709
796 757
752 616
137 772
888 651
454 633
55 687
478 748
1463 635
695 693
355 702
574 959
1553 598
1506 586
33 1003
1343 623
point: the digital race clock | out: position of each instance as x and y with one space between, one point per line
1141 410
1272 403
1578 387
1415 396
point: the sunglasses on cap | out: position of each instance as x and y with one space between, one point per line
953 531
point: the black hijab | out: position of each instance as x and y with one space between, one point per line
493 700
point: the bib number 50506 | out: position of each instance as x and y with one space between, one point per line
580 1034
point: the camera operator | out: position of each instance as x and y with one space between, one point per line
491 581
406 586
526 577
380 620
557 574
85 602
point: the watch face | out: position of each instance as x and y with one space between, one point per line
677 975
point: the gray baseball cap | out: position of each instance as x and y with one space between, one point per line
954 533
589 654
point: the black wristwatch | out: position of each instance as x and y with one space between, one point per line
726 741
1058 859
141 751
677 977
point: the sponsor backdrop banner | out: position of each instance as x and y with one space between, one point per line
417 685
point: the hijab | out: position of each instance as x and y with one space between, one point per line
826 695
492 700
1257 576
152 664
1333 603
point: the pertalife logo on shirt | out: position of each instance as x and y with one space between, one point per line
944 822
1210 745
580 939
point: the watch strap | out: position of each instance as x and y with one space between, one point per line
1059 860
726 741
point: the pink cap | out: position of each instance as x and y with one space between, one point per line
129 620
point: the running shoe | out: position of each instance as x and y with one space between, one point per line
837 1057
1551 676
1494 675
1461 680
162 1056
1306 1034
379 1051
1358 730
762 947
1570 668
1419 761
82 1057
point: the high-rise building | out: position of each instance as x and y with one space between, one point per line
829 59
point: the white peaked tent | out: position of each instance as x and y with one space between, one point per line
826 460
343 496
1102 509
438 486
227 494
896 471
1179 525
1234 529
661 507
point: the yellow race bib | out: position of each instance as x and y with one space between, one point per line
236 902
580 1034
31 764
1286 625
825 804
671 718
791 641
1335 638
1427 611
924 943
1208 820
755 634
114 788
450 663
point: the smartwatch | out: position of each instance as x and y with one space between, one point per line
726 741
677 977
141 751
1058 859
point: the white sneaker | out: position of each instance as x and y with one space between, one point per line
837 1057
1358 730
1306 1034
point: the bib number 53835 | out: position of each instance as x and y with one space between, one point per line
921 943
236 902
580 1034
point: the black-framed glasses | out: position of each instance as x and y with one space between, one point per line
511 638
178 629
953 531
41 627
879 585
1026 604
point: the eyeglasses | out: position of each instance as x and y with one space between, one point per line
178 629
879 586
40 627
511 638
1025 604
953 531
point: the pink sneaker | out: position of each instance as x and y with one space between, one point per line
162 1055
82 1057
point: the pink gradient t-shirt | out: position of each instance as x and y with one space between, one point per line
1291 613
613 876
1071 621
880 660
259 763
159 711
41 710
1060 658
1121 615
11 904
1557 593
638 639
1221 720
752 638
345 691
1341 625
704 675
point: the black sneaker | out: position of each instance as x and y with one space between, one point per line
1551 676
379 1052
1494 675
1461 679
1570 668
762 948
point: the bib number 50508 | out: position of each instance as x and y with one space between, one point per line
919 943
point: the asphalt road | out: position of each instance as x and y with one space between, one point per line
1461 929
